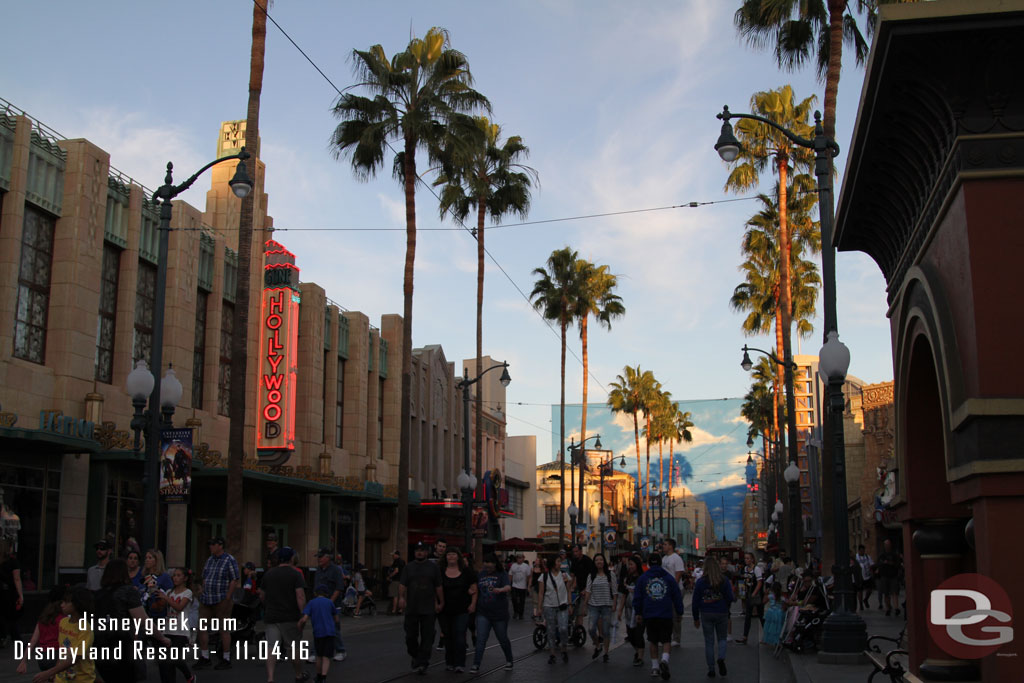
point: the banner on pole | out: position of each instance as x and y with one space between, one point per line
175 465
609 538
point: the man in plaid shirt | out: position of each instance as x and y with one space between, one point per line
220 578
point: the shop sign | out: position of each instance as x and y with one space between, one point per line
275 428
56 422
175 465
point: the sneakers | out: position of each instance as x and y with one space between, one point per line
663 670
449 668
655 672
597 651
637 660
304 677
474 669
897 611
440 647
422 670
222 665
508 666
311 659
721 666
565 657
203 663
191 679
459 670
338 656
711 673
605 658
551 659
675 643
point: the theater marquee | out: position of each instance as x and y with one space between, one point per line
279 333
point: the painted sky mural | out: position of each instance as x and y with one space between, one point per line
712 466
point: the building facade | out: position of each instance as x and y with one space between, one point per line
520 479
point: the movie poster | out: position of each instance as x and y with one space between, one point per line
175 465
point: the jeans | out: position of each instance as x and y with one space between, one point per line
603 615
453 628
714 627
518 602
557 622
483 632
167 667
754 605
419 637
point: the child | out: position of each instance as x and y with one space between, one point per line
773 615
77 601
320 610
47 629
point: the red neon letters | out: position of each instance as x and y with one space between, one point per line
275 429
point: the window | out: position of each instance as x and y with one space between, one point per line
145 302
515 501
199 350
34 285
551 515
227 326
106 322
339 408
380 419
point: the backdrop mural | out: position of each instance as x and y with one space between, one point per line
712 466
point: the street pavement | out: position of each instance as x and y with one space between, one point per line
376 654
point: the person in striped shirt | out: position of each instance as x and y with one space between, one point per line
599 596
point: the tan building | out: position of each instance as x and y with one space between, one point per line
753 532
520 479
78 242
871 469
618 497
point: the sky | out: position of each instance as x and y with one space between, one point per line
616 102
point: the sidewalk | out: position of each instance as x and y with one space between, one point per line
807 669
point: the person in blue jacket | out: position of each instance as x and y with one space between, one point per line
712 596
656 601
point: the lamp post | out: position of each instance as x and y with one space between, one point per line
577 452
609 464
843 632
573 511
466 481
146 421
792 476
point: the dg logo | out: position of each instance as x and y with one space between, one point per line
970 616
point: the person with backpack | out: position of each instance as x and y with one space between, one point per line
493 587
177 627
627 588
656 601
751 595
118 599
712 596
599 594
283 592
553 597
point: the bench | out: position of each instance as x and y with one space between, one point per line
893 663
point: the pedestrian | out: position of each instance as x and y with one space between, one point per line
889 563
135 573
627 588
460 598
12 597
493 587
323 613
519 574
220 578
359 586
580 567
78 666
751 595
330 575
283 592
673 564
437 557
773 615
599 594
249 584
727 574
553 597
178 599
394 574
95 572
785 573
712 598
422 598
867 578
656 601
118 603
47 628
535 573
155 578
563 561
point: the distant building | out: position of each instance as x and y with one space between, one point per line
520 478
618 503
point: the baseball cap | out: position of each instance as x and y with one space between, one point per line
654 559
102 545
562 551
285 554
250 565
216 540
322 552
421 546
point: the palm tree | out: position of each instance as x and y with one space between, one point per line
648 404
681 422
412 98
597 298
488 177
554 293
240 338
629 394
659 428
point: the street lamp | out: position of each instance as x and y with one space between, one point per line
843 632
609 464
573 511
602 518
577 452
468 483
241 185
792 476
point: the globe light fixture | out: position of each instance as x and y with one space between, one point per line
834 357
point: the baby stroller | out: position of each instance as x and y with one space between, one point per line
245 611
577 632
801 628
351 599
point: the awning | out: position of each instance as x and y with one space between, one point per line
43 441
297 484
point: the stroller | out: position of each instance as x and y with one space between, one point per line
351 599
802 627
245 610
577 632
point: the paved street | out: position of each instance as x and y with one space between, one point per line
376 654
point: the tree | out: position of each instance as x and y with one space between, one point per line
681 423
554 293
596 298
659 428
240 338
630 392
413 98
488 177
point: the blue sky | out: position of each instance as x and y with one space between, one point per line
616 101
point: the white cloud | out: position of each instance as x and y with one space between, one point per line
739 419
701 437
729 480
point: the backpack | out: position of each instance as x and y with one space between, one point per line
106 608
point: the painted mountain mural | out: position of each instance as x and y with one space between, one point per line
712 465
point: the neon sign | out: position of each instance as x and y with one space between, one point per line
279 336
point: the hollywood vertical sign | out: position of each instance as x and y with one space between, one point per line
279 334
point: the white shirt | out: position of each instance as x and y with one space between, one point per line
181 620
865 566
520 575
555 591
673 563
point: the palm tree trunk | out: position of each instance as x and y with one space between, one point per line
647 488
836 8
240 338
636 437
402 526
661 475
561 449
479 440
583 424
